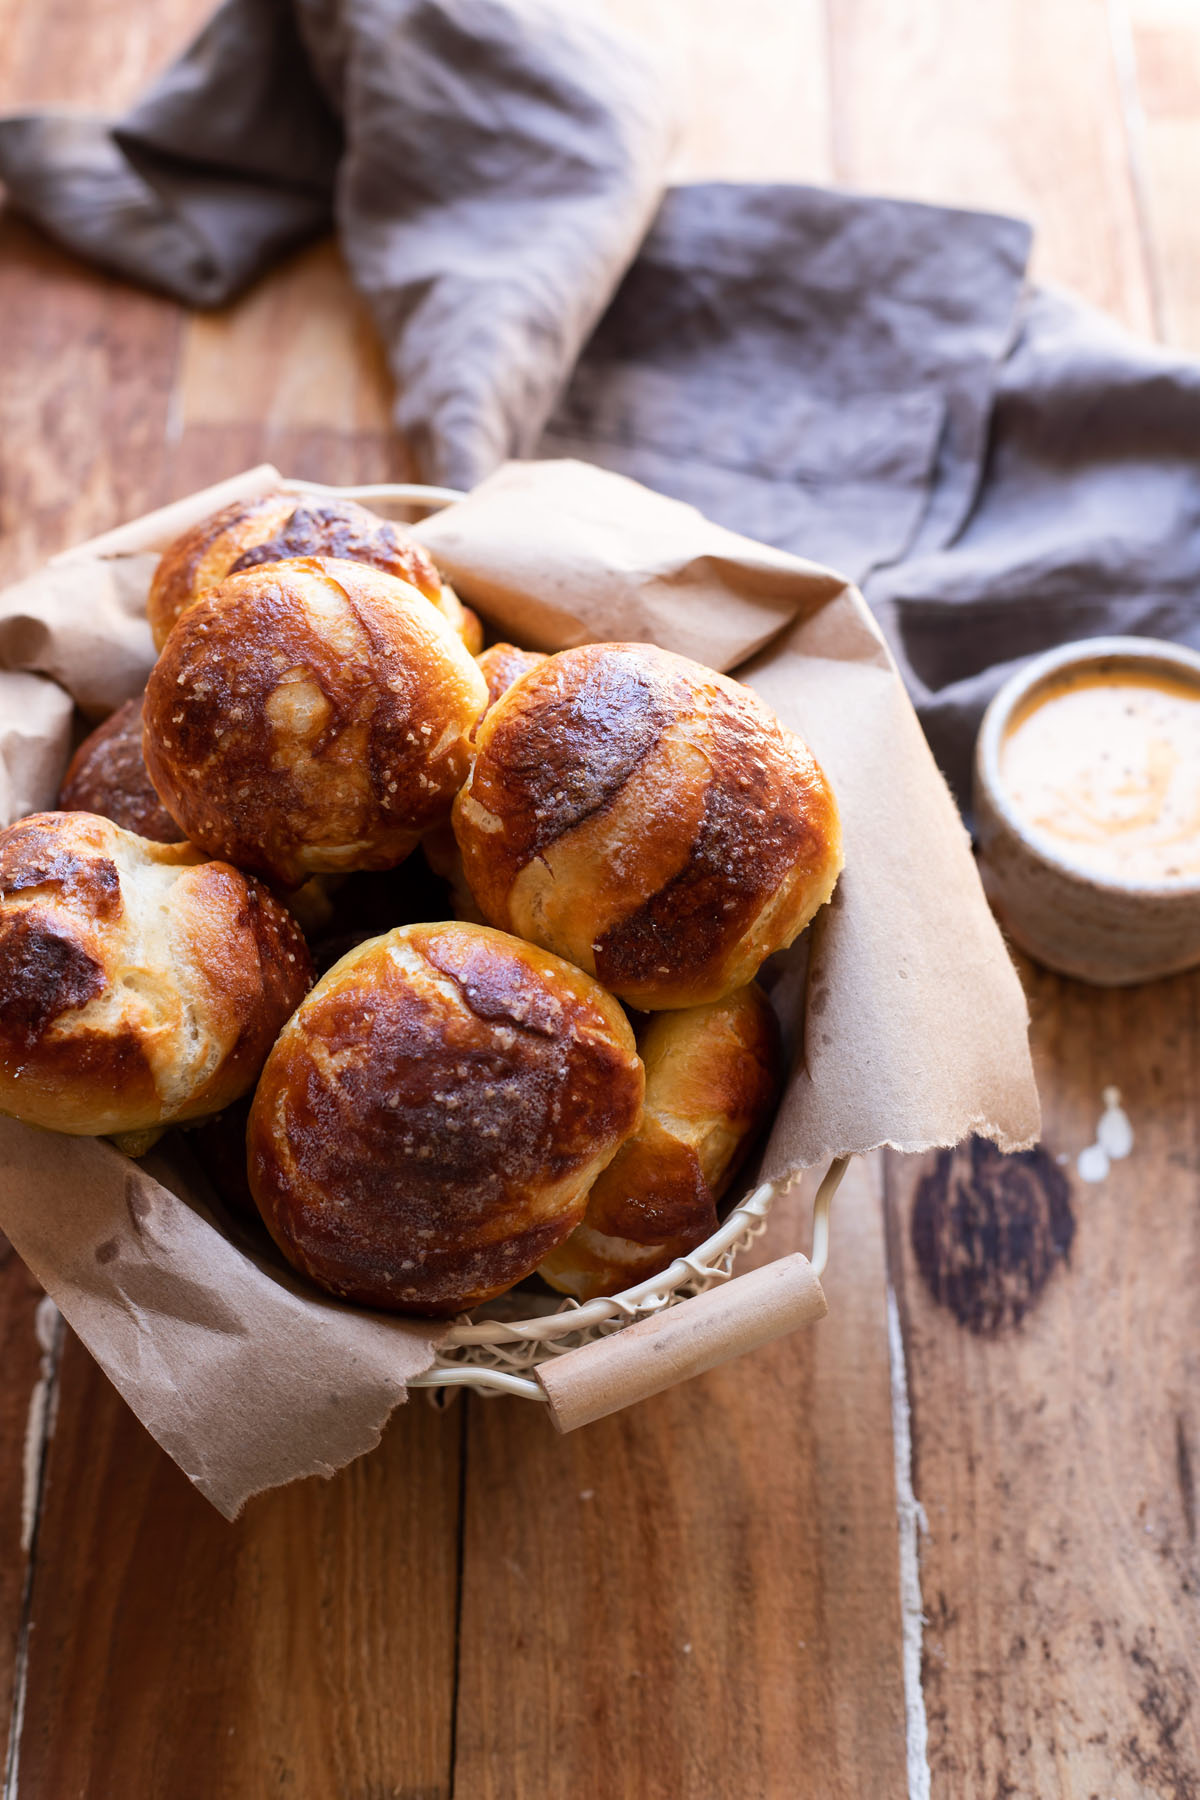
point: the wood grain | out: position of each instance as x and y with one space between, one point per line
1054 1457
1013 107
86 362
1164 40
749 84
87 371
96 54
307 1649
297 353
1055 1452
700 1595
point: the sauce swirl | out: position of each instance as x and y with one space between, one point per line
1103 766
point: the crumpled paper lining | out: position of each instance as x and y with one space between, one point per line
914 1031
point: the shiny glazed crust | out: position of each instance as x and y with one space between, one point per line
712 1080
311 716
107 775
139 983
501 665
430 1120
278 526
647 819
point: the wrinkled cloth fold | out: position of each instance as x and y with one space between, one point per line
491 168
868 382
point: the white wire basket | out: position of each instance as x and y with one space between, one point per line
498 1355
497 1350
495 1354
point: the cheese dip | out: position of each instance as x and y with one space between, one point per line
1103 767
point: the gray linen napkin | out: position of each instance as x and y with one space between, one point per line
868 382
1087 521
491 166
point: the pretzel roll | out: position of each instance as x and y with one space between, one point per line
107 775
430 1120
504 664
501 665
465 622
139 983
712 1079
278 526
311 716
647 819
445 860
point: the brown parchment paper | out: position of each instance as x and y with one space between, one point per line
909 1024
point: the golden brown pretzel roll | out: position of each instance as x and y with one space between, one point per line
139 983
310 716
504 664
501 665
278 526
648 819
712 1079
107 775
465 622
429 1122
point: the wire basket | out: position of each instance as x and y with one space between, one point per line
497 1354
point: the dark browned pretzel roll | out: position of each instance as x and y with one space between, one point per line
139 983
648 819
107 775
712 1078
430 1120
311 716
278 526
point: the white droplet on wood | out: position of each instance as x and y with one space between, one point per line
1114 1133
1092 1164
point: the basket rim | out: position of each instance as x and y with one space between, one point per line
643 1296
700 1265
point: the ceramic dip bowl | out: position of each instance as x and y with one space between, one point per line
1087 809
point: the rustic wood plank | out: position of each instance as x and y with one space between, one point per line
698 1596
86 366
23 1423
296 355
750 85
306 1649
1059 1647
92 53
1164 43
1054 1367
1015 107
85 362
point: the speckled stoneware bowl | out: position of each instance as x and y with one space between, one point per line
1096 927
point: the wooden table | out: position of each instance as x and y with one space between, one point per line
702 1597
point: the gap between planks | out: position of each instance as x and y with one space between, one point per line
39 1430
911 1525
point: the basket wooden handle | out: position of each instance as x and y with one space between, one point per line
681 1341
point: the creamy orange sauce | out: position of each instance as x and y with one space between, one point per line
1104 766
